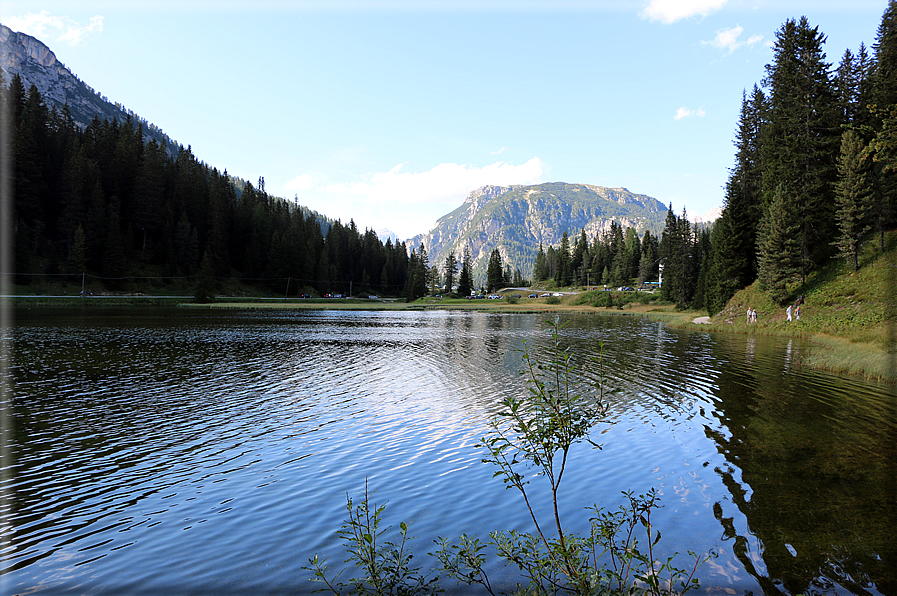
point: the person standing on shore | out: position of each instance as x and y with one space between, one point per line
788 314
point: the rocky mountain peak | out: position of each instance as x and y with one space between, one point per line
488 192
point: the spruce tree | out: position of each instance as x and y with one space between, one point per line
494 272
853 197
647 269
450 268
884 97
778 247
562 273
465 283
540 269
800 143
885 51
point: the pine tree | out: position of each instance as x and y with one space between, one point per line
884 97
433 278
800 141
853 197
778 247
494 272
647 268
465 283
885 51
562 273
450 269
540 269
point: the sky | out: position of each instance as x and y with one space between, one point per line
390 112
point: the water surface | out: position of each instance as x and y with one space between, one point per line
195 452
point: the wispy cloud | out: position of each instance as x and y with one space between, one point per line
48 27
409 202
684 112
727 39
499 152
670 11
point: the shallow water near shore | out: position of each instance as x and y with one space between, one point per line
172 451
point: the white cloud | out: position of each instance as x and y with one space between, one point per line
302 182
670 11
684 112
47 27
410 202
499 152
727 39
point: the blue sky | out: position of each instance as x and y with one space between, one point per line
391 112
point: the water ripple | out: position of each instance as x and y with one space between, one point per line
217 450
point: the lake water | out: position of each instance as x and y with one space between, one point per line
203 452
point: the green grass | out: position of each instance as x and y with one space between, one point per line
849 317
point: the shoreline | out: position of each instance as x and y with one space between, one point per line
829 352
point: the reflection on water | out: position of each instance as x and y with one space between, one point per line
205 452
810 466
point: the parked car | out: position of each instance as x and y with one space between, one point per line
557 294
546 295
515 296
533 295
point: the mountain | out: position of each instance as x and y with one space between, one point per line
385 234
708 216
37 65
516 219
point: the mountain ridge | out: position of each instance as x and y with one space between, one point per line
517 219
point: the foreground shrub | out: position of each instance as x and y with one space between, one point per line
532 435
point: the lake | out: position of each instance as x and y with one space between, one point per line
183 451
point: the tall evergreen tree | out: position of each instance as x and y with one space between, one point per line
540 269
450 268
778 247
884 97
853 197
562 273
647 269
800 142
465 283
494 272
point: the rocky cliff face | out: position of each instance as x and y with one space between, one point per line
37 65
516 219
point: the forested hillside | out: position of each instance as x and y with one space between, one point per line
814 175
102 201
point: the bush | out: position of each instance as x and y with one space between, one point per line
552 300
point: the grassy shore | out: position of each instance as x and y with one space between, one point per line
848 317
